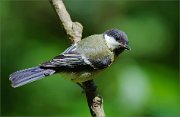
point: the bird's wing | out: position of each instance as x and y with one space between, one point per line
69 59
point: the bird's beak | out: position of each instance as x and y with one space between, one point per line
127 47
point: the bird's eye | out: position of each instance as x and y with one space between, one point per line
118 39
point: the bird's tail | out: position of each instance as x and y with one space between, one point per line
23 77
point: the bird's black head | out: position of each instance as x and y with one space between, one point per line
116 40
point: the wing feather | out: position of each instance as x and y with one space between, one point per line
70 59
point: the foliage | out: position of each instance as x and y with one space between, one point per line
142 82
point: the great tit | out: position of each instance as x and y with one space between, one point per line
81 60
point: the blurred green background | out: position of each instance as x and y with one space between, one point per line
143 82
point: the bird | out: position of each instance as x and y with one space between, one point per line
81 60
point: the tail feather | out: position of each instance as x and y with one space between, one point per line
23 77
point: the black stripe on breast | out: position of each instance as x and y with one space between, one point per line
101 63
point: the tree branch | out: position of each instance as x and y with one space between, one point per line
95 101
74 31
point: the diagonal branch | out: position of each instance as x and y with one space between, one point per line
74 31
95 101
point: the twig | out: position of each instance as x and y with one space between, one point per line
74 31
95 101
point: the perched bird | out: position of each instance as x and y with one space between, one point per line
81 60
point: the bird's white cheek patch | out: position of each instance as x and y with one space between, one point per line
111 42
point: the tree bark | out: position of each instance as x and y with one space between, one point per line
73 29
95 101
